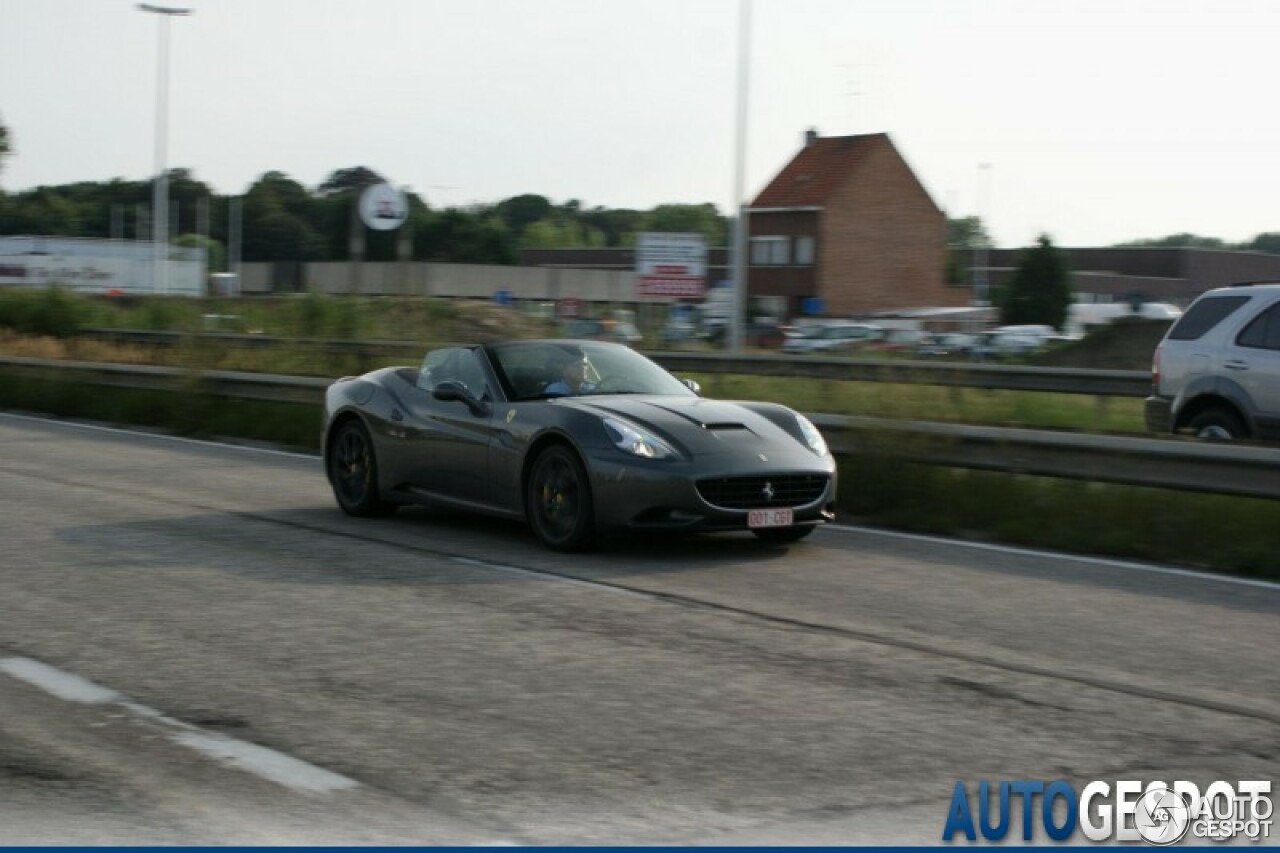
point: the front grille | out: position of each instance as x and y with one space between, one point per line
750 492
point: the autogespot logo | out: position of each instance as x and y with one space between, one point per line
1162 815
1154 812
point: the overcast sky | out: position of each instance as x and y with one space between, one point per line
1101 120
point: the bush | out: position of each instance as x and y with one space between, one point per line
52 312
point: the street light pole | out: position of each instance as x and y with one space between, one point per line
981 282
160 200
738 322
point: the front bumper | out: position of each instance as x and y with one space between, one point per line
646 495
1159 414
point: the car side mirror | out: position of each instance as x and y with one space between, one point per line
450 390
692 386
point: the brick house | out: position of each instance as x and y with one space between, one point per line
848 222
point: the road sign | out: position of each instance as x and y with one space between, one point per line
383 207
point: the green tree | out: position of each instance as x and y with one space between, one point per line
618 226
558 233
216 255
689 218
345 180
186 195
43 210
1268 242
521 211
278 212
462 236
1176 241
6 146
964 235
1040 289
968 232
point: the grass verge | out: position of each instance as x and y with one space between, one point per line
1218 532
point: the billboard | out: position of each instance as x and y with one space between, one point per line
671 265
97 266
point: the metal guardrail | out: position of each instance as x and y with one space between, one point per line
1006 377
1168 463
1187 465
243 340
266 387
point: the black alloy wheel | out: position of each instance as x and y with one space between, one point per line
558 500
784 534
353 471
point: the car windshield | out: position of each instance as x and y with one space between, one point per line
536 370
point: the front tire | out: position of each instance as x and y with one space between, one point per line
352 464
558 500
1217 424
781 535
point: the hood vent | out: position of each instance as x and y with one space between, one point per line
724 426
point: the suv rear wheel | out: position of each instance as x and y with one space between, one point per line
1217 424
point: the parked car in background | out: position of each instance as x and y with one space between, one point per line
617 331
899 340
767 334
1007 341
833 338
946 344
679 331
1217 371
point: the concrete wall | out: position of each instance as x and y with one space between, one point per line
475 281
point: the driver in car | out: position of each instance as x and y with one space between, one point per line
572 379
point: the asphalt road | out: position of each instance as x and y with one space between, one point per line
197 647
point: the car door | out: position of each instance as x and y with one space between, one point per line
1254 363
447 442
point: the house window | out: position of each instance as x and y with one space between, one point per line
770 251
804 251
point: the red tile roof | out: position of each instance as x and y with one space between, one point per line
818 170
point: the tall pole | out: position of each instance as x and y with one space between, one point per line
737 329
980 280
160 200
235 218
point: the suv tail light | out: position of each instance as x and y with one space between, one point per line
1155 372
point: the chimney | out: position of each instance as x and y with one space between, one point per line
810 136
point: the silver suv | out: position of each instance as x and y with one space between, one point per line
1217 371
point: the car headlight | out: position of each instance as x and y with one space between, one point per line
812 437
631 439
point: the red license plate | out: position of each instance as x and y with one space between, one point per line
770 518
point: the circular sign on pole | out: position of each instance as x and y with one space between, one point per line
383 207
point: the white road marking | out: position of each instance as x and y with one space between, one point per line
1103 562
267 763
64 685
259 760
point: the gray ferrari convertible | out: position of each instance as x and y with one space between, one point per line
578 437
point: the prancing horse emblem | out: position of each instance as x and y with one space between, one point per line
768 491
